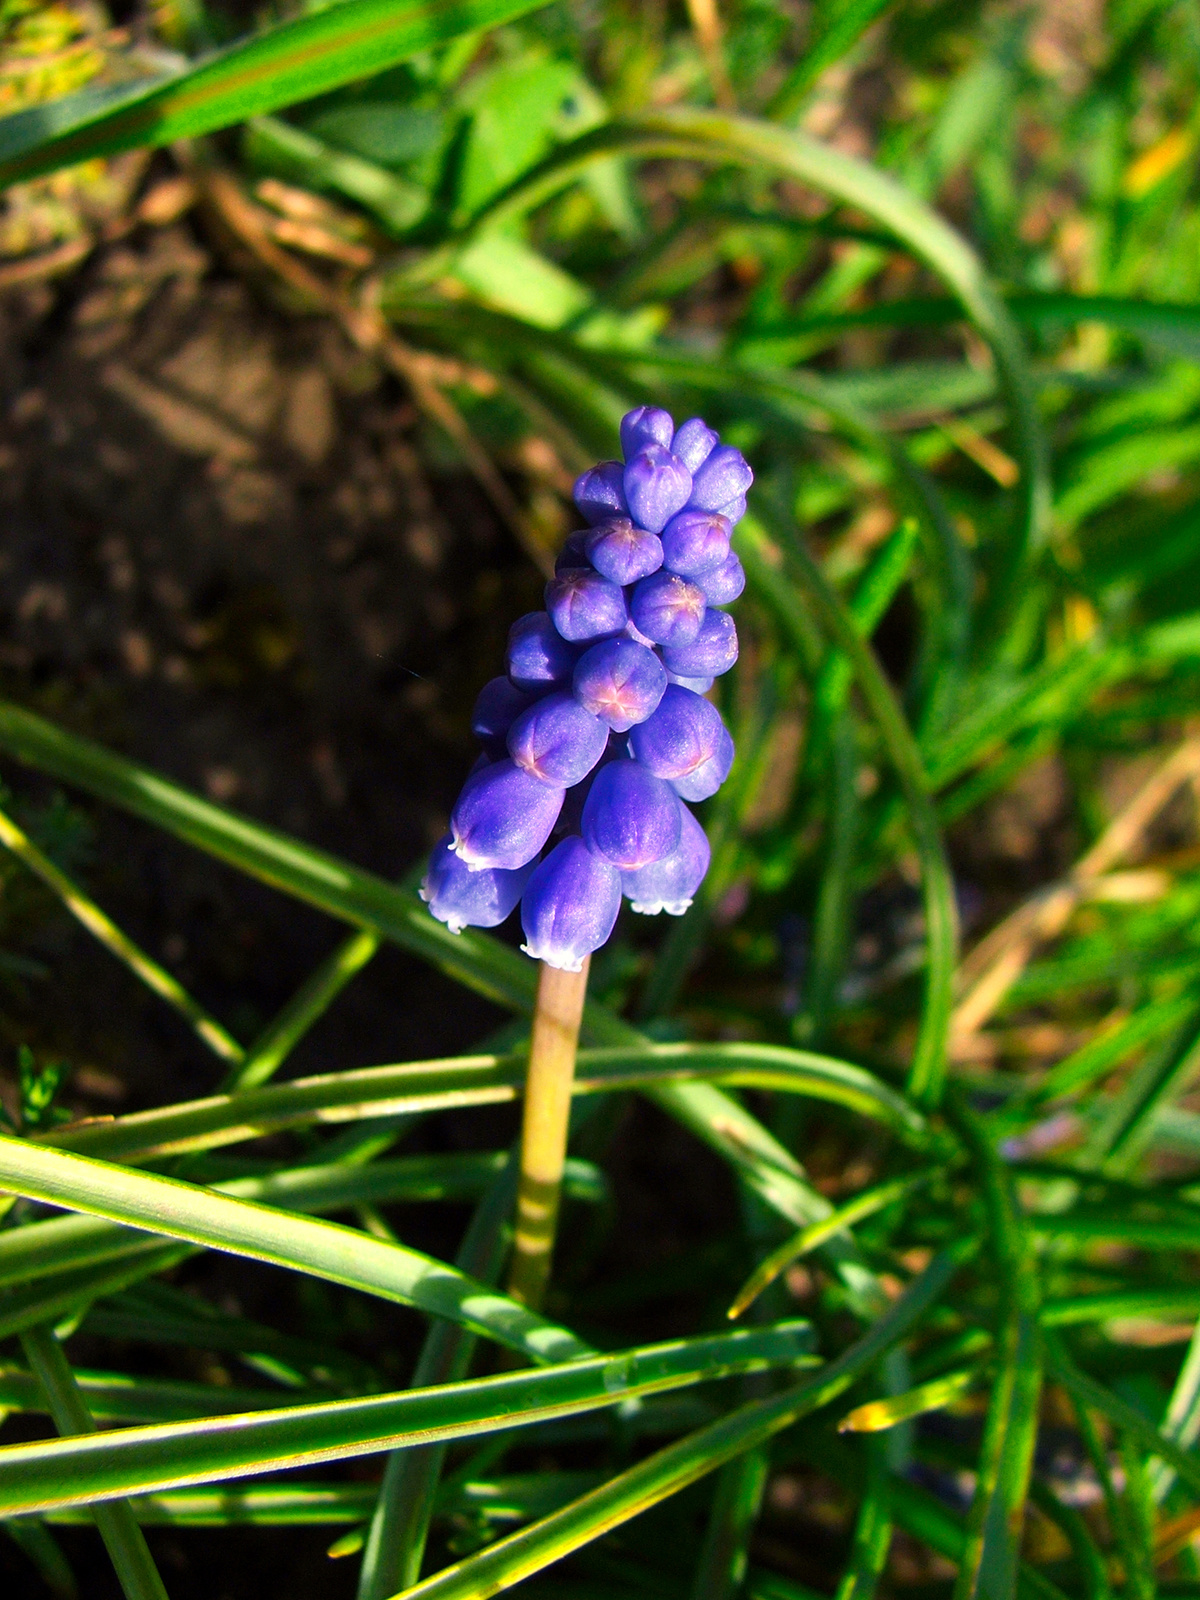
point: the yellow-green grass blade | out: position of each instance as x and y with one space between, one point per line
289 62
64 1472
117 1397
875 1416
327 1250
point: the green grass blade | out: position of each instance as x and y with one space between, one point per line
61 1472
313 1505
289 62
724 1555
653 1480
1089 1559
35 1541
116 1397
325 1249
840 28
872 1529
1181 1421
878 1415
117 1525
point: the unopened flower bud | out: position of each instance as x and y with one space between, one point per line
539 658
680 737
725 583
464 899
667 608
619 681
734 510
631 817
600 492
503 817
585 606
724 475
646 425
557 741
708 777
696 685
497 707
670 884
657 485
695 543
693 443
712 652
574 551
570 905
622 552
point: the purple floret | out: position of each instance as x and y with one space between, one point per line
497 707
503 817
667 608
557 741
657 485
584 606
670 884
693 443
622 552
708 777
725 583
464 899
574 551
682 735
570 906
619 681
631 817
600 492
539 658
724 476
695 543
712 652
646 425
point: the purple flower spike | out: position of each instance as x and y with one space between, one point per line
670 884
668 609
623 553
503 817
584 606
497 707
657 485
464 899
619 681
570 906
557 741
695 542
539 658
724 476
646 425
693 443
696 685
631 817
574 551
709 775
723 585
712 652
600 492
683 734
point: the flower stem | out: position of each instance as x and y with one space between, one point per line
556 1020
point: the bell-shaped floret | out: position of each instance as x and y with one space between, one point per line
708 777
622 552
693 443
574 551
646 425
503 817
712 652
497 706
657 485
667 608
539 658
619 681
584 606
600 492
631 817
724 476
557 740
734 510
570 905
670 884
680 737
723 585
464 899
696 685
695 542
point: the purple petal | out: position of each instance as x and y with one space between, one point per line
622 552
464 899
667 608
570 906
670 884
573 552
723 477
657 485
600 493
585 606
619 681
497 707
631 817
695 543
646 425
712 652
693 443
503 817
682 735
708 777
725 583
557 741
539 658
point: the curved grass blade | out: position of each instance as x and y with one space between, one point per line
721 1569
64 1472
872 1529
291 61
324 1249
877 1415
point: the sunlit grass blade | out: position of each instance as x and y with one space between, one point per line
226 1507
65 1296
721 1570
876 1415
872 1529
117 1397
1087 1392
292 61
651 1481
342 1255
63 1472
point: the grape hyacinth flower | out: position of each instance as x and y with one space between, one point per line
599 731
